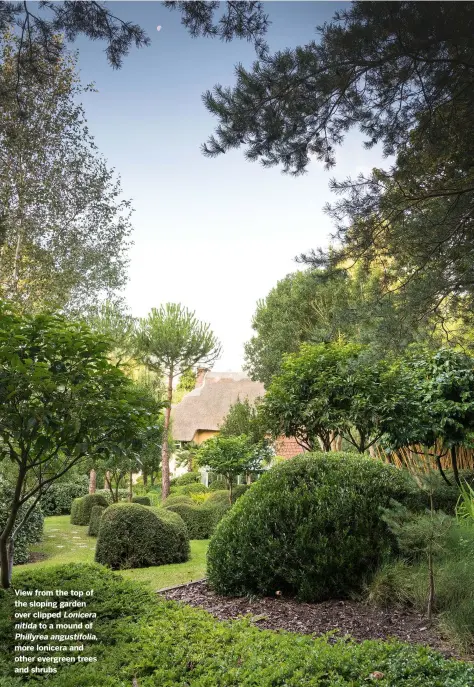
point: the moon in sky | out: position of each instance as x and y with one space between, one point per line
158 28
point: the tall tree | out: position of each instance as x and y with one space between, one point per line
64 229
61 401
170 341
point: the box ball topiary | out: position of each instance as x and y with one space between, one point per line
143 500
94 521
135 536
81 508
309 527
187 478
200 520
173 499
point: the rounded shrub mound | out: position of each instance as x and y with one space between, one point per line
135 536
178 498
60 495
187 478
81 508
309 527
200 520
143 500
94 521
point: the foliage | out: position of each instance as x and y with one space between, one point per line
232 456
401 583
443 409
465 504
186 383
143 500
30 533
186 456
190 488
171 341
243 418
310 526
187 478
60 495
65 229
123 495
134 536
196 649
114 323
94 520
82 508
333 388
199 519
174 499
61 401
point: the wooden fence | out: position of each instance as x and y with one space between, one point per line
415 455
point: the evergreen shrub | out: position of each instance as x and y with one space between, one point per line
81 508
143 500
60 495
30 533
309 527
187 478
94 521
199 519
135 536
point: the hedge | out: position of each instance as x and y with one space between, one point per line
60 495
178 498
143 500
200 521
81 508
187 478
135 536
309 527
94 521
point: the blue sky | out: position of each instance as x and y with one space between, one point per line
213 234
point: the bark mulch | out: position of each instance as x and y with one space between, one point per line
347 617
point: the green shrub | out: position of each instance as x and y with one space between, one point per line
310 526
60 495
397 582
94 521
30 533
238 490
200 520
218 484
143 500
145 639
81 508
123 495
188 489
187 478
221 496
135 536
174 499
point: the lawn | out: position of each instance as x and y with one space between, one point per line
65 543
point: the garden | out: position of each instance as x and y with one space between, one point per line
349 564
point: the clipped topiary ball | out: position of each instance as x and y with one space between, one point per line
135 536
81 508
94 522
143 500
309 527
178 498
200 520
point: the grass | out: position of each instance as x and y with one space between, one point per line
65 543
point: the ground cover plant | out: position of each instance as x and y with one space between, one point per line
310 526
149 641
135 536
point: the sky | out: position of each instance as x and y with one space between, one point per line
215 235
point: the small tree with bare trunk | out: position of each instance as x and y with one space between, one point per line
171 341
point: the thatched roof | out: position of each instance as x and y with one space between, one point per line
205 407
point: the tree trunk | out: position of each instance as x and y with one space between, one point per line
92 481
4 563
248 478
165 453
454 461
190 463
230 491
145 478
130 487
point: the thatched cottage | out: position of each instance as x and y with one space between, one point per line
201 412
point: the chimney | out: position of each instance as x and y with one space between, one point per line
200 374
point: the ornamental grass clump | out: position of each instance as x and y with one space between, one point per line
309 527
135 536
